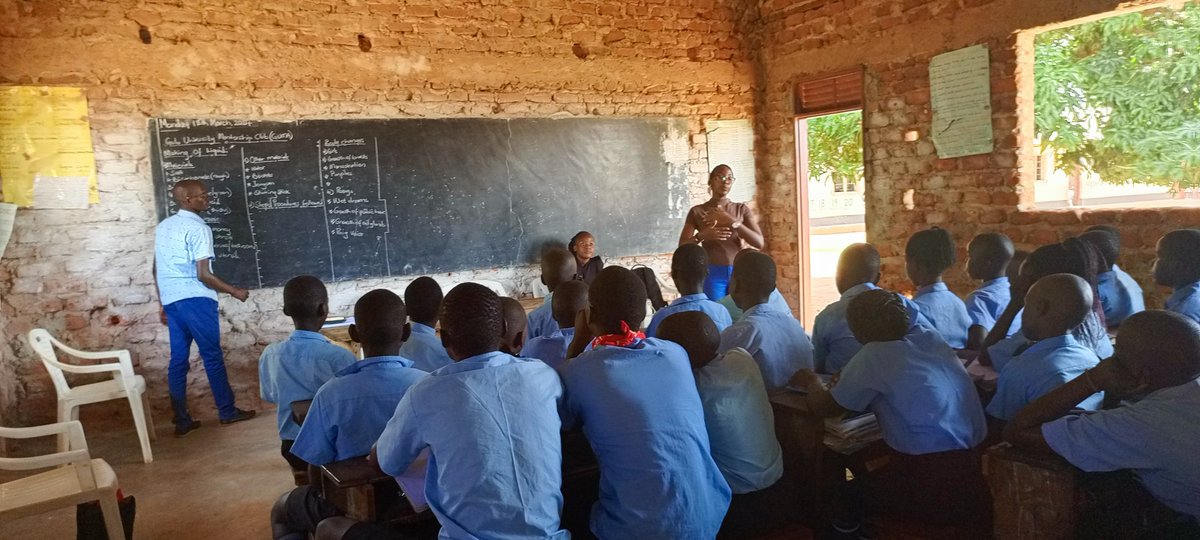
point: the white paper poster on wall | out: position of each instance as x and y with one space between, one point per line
961 98
731 142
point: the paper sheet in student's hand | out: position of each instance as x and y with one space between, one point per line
412 481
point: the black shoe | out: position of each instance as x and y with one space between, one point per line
241 415
180 431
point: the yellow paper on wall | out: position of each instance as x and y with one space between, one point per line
44 133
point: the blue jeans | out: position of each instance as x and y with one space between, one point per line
716 285
195 319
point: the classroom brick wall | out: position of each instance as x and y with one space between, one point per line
907 187
85 275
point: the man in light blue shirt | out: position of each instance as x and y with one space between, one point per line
423 298
1120 294
490 422
349 412
1178 267
293 369
1155 433
558 267
927 256
187 290
772 336
570 298
988 259
1054 305
833 342
689 267
637 402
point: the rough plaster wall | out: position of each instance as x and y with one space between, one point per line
894 41
85 275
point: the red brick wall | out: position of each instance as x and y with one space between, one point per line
894 42
85 275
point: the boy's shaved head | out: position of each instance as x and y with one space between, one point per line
570 298
1178 261
695 332
515 323
183 188
1159 348
1108 229
988 255
858 264
753 279
558 267
689 267
877 315
305 297
1107 243
424 298
472 321
616 295
1055 305
379 319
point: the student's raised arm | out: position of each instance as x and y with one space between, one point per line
1000 331
1025 429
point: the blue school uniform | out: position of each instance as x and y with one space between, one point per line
491 425
349 412
919 391
736 313
985 304
1186 301
945 311
741 425
776 341
833 342
1157 437
541 319
425 349
692 302
642 414
1120 295
551 349
1040 368
294 369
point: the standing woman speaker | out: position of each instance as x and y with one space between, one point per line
723 228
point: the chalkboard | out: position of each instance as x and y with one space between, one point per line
349 199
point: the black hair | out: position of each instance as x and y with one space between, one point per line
515 319
695 332
932 249
575 240
689 264
756 271
472 319
303 296
1110 230
1105 242
1184 248
568 300
877 315
423 297
1071 256
617 295
558 266
860 262
379 318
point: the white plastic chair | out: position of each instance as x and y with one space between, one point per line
124 384
537 288
80 479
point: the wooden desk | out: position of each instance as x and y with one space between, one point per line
365 493
1033 496
801 436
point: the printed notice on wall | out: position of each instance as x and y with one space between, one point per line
8 215
961 98
731 142
45 135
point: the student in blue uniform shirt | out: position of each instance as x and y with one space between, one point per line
1054 306
771 335
927 256
741 425
423 298
736 313
570 298
349 412
927 408
988 257
689 266
1120 294
1178 267
833 342
490 423
293 369
636 400
1155 433
516 326
558 267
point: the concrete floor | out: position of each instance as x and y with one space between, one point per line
216 483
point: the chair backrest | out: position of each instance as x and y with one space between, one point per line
43 343
537 288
